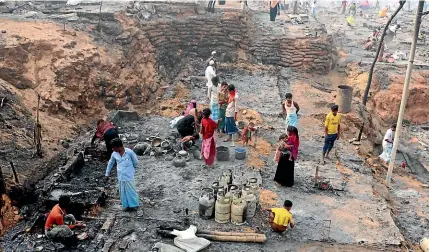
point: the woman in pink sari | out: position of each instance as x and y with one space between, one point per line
208 128
286 155
191 106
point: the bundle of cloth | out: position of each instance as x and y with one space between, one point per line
188 241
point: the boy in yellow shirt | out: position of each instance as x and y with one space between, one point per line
332 131
280 218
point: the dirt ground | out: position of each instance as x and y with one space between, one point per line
363 213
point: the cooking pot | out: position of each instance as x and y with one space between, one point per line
156 142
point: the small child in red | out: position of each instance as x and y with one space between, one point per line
247 133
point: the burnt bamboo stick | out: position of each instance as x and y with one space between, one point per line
14 172
2 183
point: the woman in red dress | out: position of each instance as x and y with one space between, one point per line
208 128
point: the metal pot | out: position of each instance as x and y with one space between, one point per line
166 145
150 139
179 161
156 142
183 154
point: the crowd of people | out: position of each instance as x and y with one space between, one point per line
218 120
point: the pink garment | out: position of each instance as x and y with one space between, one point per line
293 140
208 150
103 128
190 106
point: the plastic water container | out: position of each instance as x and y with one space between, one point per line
240 153
344 98
222 153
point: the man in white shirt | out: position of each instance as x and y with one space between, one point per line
231 115
213 92
313 10
210 73
388 144
390 34
212 57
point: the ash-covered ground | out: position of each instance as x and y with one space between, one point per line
364 214
358 216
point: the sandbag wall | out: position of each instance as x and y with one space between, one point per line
302 54
194 34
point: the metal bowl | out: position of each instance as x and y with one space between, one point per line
165 144
156 142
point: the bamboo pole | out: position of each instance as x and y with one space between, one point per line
257 238
371 70
202 232
405 91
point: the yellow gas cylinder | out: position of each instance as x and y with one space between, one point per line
238 211
232 189
253 183
222 208
424 244
251 201
226 178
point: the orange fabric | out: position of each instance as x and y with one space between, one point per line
231 96
56 217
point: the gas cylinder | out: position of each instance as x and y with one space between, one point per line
206 203
226 177
251 201
239 179
232 189
243 179
253 183
424 244
222 208
236 178
216 188
238 211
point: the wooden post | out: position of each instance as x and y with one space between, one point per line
405 91
316 177
99 16
2 183
14 172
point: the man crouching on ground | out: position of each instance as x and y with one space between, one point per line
126 163
59 225
280 218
